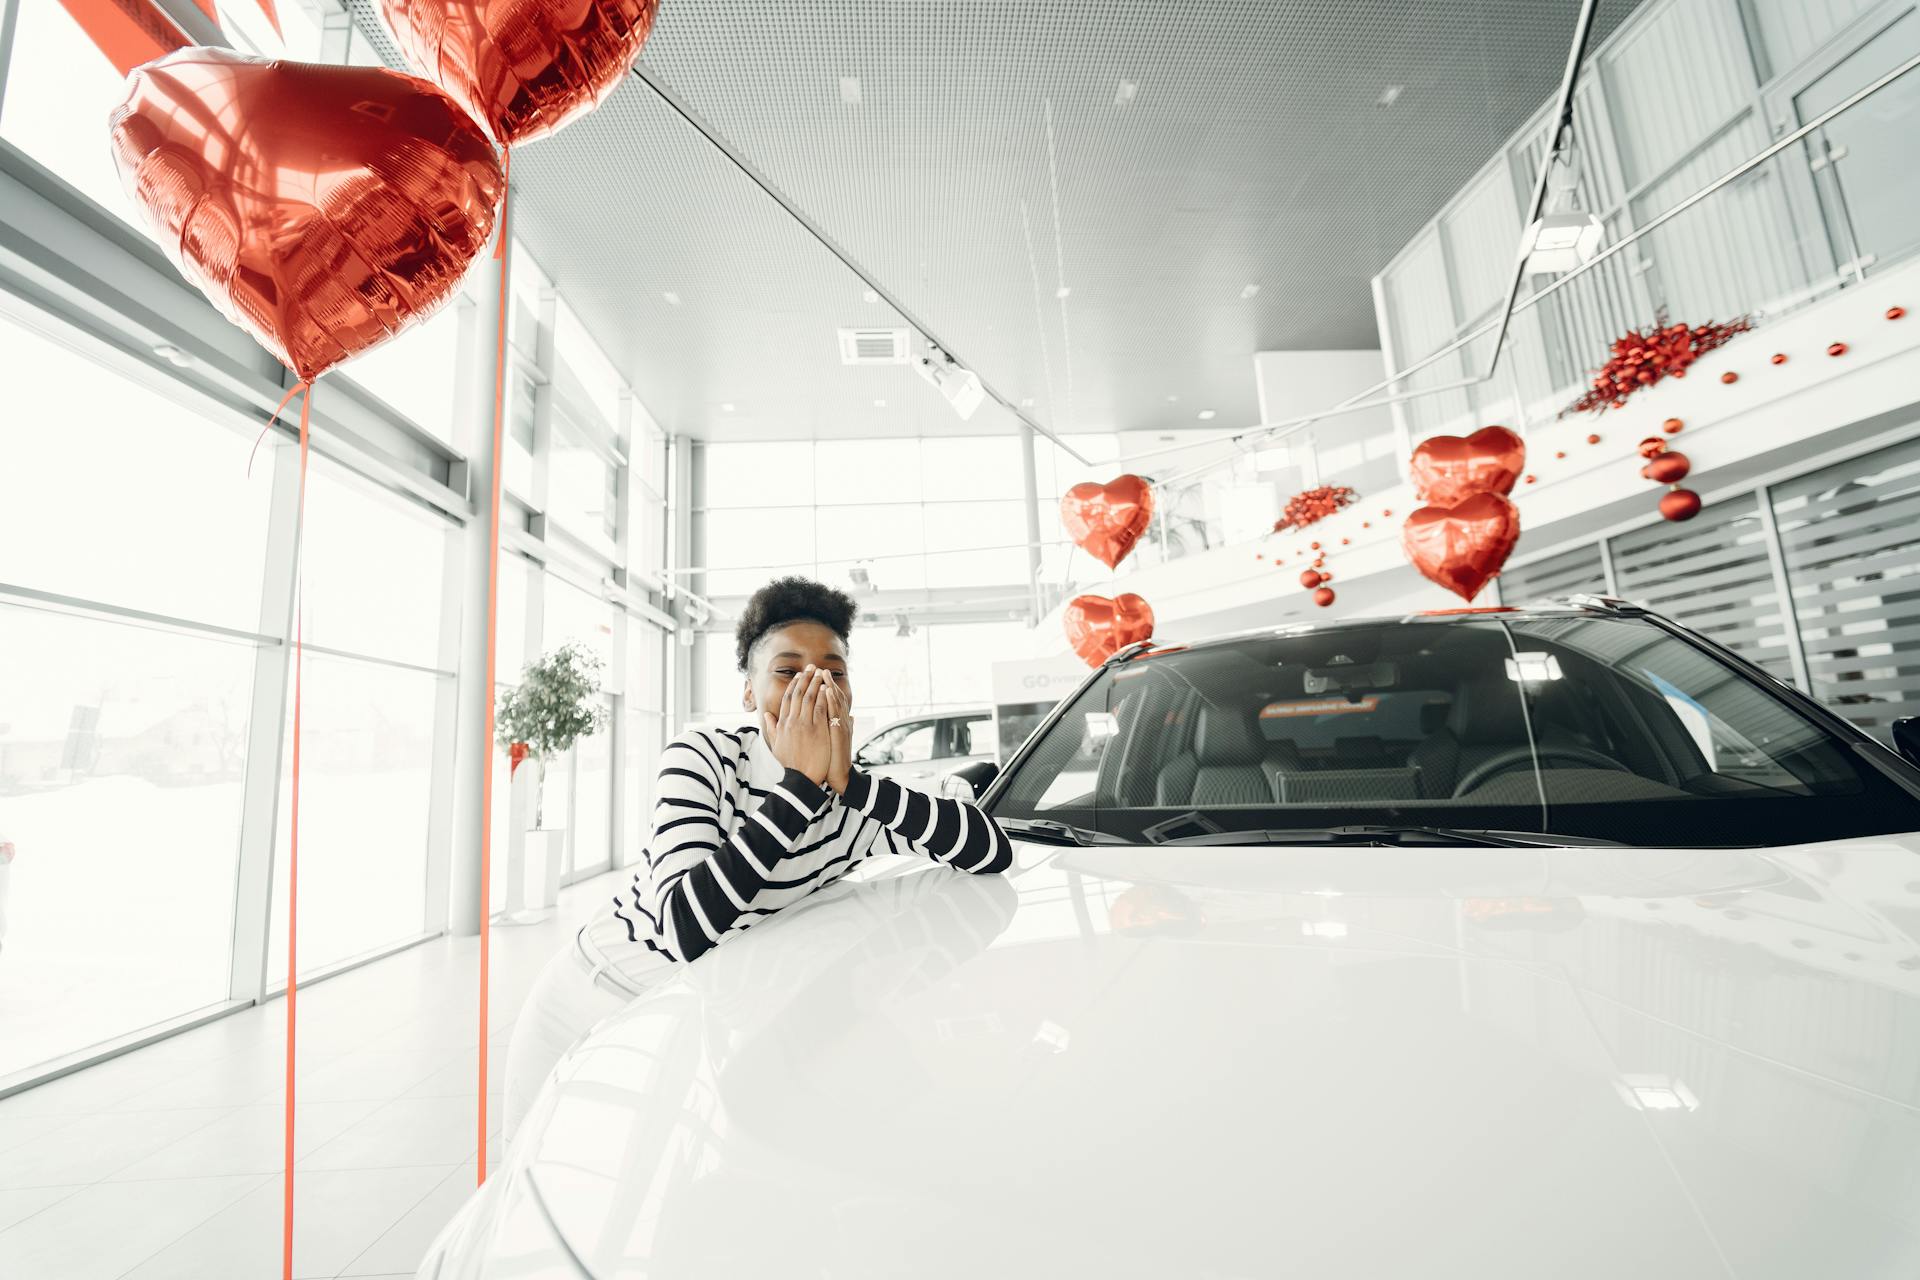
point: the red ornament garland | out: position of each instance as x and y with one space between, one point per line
1642 359
1314 505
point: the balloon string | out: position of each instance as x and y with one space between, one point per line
493 611
293 842
506 173
292 391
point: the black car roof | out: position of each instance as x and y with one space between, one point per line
1572 606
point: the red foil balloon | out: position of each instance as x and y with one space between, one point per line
1679 504
1668 468
1463 546
1448 469
1107 519
1309 578
1098 628
525 67
1323 597
323 209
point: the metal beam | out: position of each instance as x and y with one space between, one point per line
812 228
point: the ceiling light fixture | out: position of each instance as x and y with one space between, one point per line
727 407
1062 292
850 90
1249 291
1656 1093
871 295
1173 399
879 404
1206 415
1563 242
673 299
961 387
1389 95
1125 93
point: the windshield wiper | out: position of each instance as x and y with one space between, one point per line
1047 830
1363 834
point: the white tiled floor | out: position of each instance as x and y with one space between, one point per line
165 1162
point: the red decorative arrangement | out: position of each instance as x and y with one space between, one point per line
1642 359
1314 505
1669 467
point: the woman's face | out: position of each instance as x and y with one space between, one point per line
783 653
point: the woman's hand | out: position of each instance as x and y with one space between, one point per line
840 730
798 732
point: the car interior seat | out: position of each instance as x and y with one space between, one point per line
1225 766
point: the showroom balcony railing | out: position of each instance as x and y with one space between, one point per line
1824 207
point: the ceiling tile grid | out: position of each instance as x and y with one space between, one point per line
1147 158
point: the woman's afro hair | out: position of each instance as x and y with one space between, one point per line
786 600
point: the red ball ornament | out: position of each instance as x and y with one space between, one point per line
1652 447
1679 504
1894 313
1258 556
1387 514
1345 541
1593 439
1668 468
1672 426
1366 524
1837 349
1779 357
1531 479
1309 579
1559 453
1323 597
1729 377
1313 546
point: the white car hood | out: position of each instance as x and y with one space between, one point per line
1236 1062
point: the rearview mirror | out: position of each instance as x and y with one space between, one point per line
1360 675
1906 738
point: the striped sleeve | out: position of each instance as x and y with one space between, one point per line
706 860
956 832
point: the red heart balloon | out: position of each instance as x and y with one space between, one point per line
323 209
1098 628
1463 546
1107 519
1447 469
525 67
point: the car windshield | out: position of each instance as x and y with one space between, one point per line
1605 727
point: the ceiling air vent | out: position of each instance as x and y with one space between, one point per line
874 346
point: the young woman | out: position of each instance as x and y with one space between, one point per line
746 822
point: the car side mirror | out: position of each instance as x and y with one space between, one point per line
970 782
1906 738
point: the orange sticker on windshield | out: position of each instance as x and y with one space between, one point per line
1317 707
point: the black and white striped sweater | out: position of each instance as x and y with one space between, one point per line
737 837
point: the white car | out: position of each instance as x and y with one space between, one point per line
921 750
1542 943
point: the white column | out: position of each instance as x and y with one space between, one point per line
1029 478
260 789
474 682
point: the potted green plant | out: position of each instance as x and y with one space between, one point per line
555 705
